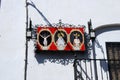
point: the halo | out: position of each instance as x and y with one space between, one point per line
60 34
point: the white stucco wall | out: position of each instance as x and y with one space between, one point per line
12 39
12 34
100 48
110 36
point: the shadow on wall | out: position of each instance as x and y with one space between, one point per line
100 30
62 57
59 57
104 63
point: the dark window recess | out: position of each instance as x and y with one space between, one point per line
113 52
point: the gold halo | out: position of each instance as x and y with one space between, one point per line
76 34
60 34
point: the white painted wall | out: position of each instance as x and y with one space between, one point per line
110 36
12 39
100 48
12 34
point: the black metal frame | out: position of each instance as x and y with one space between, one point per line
79 71
26 44
110 44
